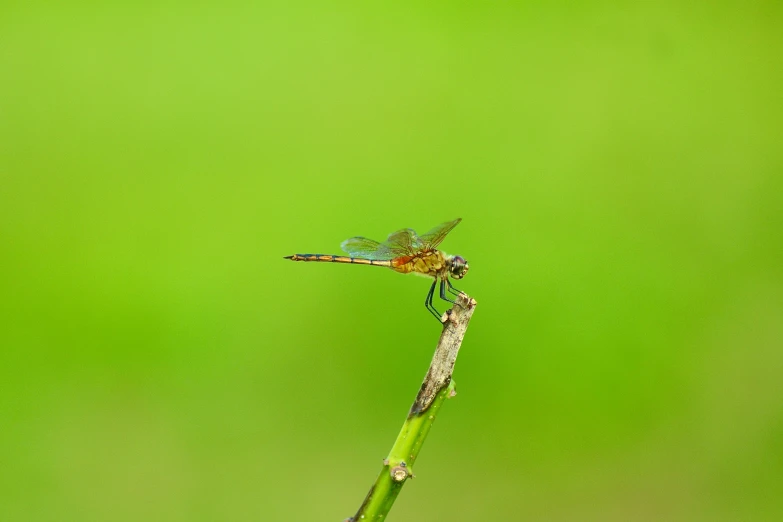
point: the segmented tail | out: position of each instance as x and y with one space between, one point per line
327 258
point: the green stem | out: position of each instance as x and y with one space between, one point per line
436 388
398 466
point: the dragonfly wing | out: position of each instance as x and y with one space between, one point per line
365 248
404 242
433 238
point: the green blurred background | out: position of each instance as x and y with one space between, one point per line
618 167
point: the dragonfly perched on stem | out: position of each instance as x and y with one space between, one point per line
404 251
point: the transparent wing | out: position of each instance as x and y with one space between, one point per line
365 248
404 242
433 238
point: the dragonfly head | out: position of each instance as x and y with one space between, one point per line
458 267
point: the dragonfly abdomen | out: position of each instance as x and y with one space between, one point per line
328 258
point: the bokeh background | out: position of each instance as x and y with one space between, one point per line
618 167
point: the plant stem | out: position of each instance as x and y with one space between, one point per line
436 388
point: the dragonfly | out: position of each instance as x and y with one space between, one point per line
406 252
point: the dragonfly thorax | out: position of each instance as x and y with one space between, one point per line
457 266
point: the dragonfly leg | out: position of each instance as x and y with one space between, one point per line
452 289
428 301
443 284
443 292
